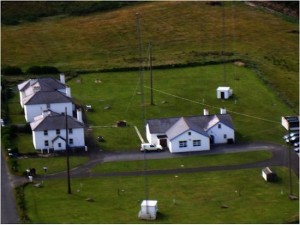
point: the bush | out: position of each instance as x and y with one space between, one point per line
38 70
11 70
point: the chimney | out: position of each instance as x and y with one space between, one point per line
45 113
68 92
205 112
79 115
223 111
62 78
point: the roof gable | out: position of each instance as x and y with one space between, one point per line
46 97
44 84
178 128
177 125
54 121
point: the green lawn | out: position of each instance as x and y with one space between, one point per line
256 111
184 162
181 32
54 164
182 198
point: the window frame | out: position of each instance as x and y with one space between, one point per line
196 143
182 144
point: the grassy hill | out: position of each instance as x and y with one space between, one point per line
181 33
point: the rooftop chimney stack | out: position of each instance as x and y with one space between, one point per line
79 115
223 111
45 113
205 112
62 78
68 92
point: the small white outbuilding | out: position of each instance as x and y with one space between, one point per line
148 210
224 92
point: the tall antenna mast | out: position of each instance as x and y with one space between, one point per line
224 44
142 100
67 152
151 75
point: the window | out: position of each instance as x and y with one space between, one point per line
225 136
71 141
57 131
190 133
196 142
182 144
70 131
46 143
45 132
59 145
219 126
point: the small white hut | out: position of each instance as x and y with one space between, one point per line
148 210
224 92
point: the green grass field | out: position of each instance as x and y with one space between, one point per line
54 164
256 111
181 32
187 198
183 162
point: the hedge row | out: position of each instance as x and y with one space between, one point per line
36 70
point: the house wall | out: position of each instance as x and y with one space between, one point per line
189 138
219 133
21 93
32 111
39 138
152 138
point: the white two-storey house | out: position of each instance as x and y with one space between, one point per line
49 131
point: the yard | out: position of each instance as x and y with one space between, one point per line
255 109
239 196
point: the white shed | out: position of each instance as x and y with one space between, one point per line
224 92
148 210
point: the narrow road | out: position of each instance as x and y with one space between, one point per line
279 158
8 206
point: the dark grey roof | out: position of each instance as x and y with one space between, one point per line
161 125
45 84
54 121
46 97
199 124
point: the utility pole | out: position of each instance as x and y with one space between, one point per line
67 152
224 41
142 101
151 75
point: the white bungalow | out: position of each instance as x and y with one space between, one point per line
193 133
49 131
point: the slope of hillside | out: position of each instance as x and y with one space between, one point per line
181 32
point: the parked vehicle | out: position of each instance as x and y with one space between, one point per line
150 147
294 139
290 135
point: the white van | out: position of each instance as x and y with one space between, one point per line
150 147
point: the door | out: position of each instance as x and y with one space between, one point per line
163 143
222 94
212 139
